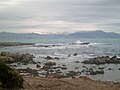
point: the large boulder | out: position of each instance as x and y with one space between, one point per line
15 57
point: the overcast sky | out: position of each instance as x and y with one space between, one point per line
59 15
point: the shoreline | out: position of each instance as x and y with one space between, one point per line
6 44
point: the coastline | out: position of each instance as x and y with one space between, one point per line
71 73
5 44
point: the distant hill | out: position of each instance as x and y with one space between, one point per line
29 35
93 34
81 34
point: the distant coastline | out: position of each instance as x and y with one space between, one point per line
4 44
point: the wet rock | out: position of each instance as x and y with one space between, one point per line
85 67
72 73
32 71
56 58
100 72
51 71
101 68
73 77
63 65
95 72
33 62
110 69
75 54
38 66
14 65
63 68
76 67
92 71
77 61
4 53
48 65
69 55
58 71
103 60
49 58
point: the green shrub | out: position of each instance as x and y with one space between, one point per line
9 77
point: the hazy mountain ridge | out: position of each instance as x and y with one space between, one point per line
81 34
94 34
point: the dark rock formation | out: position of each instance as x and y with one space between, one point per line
103 60
48 65
95 72
49 57
72 73
15 57
75 54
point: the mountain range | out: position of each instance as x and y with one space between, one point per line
80 34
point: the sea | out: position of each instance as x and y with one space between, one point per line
61 48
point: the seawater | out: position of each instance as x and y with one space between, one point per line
97 47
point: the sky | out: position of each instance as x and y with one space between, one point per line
58 16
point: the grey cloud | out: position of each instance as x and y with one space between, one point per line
98 12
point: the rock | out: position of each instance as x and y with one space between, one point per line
95 72
72 73
63 68
92 71
58 71
101 68
100 72
49 58
32 71
76 67
103 60
4 53
69 55
56 58
38 66
63 65
75 54
48 65
14 65
77 61
51 71
110 69
15 57
33 62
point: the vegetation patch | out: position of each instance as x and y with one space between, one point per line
9 77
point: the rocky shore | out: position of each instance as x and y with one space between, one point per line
103 60
7 57
55 79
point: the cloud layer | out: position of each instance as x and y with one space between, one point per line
59 15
